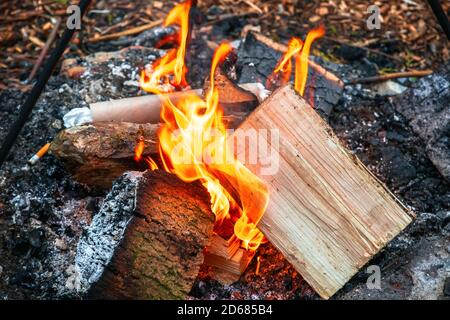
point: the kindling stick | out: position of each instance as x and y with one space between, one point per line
44 51
390 76
37 89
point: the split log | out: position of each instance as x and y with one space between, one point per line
227 259
327 213
147 241
98 154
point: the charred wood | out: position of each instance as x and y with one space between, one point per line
147 240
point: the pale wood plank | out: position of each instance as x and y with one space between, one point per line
327 213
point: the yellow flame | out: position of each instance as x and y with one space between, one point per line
300 51
301 61
138 150
193 142
151 163
173 62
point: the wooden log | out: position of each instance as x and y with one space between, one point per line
147 241
327 213
98 154
232 96
227 259
146 109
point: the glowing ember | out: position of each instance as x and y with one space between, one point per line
258 265
138 150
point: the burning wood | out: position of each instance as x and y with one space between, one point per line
318 205
323 88
98 153
327 213
147 240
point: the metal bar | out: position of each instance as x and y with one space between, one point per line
37 89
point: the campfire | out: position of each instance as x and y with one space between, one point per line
221 150
281 177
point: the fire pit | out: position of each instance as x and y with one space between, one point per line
190 168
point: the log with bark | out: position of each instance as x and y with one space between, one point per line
147 240
98 154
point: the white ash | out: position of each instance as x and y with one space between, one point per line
97 245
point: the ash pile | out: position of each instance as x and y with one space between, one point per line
400 130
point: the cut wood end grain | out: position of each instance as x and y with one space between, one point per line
327 213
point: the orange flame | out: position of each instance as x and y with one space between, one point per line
301 61
193 142
284 66
300 50
173 62
151 163
138 150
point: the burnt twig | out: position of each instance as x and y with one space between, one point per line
390 76
44 51
128 32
